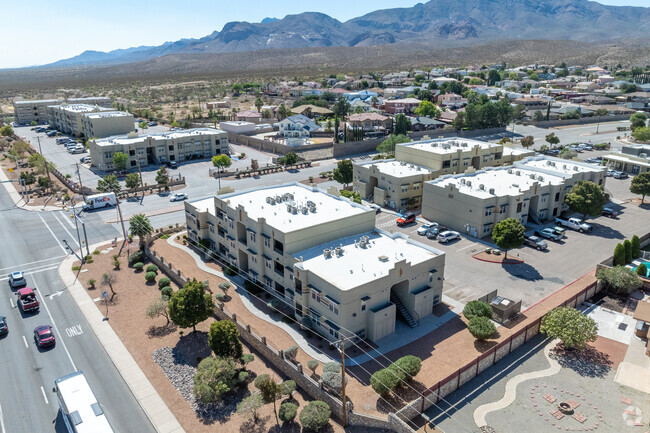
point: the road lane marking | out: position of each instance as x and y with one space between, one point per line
44 396
11 302
2 421
468 246
66 230
25 341
34 269
32 263
56 329
53 235
66 216
73 331
33 272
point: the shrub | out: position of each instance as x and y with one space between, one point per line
260 379
219 297
231 271
331 366
224 287
383 381
312 364
619 255
116 261
410 365
150 277
96 252
164 282
619 279
166 292
152 268
481 328
477 309
242 377
642 270
223 339
214 377
287 387
287 412
315 415
627 246
333 381
291 352
76 268
92 282
136 257
89 260
138 266
246 358
636 247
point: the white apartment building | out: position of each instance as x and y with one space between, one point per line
398 183
323 257
26 112
106 124
67 118
158 149
532 189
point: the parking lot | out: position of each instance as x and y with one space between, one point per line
543 272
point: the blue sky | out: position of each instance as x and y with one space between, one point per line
42 31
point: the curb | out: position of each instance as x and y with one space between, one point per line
510 261
159 415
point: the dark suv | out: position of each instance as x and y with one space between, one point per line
609 212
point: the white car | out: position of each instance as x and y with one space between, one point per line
447 236
424 228
179 196
17 279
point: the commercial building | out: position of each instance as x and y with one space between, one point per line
26 112
398 183
633 158
531 189
158 149
237 126
323 257
100 101
68 118
106 123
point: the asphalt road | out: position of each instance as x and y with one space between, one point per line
33 243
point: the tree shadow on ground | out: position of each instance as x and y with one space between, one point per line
252 426
161 331
191 348
400 397
485 345
523 271
293 427
589 362
604 232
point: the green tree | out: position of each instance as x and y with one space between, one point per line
619 255
388 145
538 116
343 172
570 326
384 381
120 160
291 158
638 120
641 185
140 226
552 139
409 365
477 309
601 112
287 388
190 305
109 183
175 124
19 149
627 247
527 141
221 161
586 198
214 377
143 125
7 131
158 307
636 247
162 177
270 392
493 77
402 125
108 279
315 415
132 180
288 412
250 405
641 134
427 109
619 280
567 153
341 109
28 177
481 328
223 339
44 182
508 234
641 270
283 112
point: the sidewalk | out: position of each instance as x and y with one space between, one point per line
17 198
154 407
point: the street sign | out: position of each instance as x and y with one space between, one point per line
10 170
104 294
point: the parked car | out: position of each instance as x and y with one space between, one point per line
610 173
376 207
179 196
609 212
17 279
448 236
620 175
424 228
85 159
172 164
574 224
52 133
433 232
585 146
406 219
535 242
152 123
4 329
548 233
44 336
560 231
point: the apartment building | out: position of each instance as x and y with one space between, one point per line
398 183
106 124
101 101
158 149
26 112
532 189
67 118
323 257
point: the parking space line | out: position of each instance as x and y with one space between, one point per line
468 246
53 235
25 341
44 396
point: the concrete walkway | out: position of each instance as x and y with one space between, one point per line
511 387
18 199
238 283
634 371
153 406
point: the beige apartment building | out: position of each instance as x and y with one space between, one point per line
101 101
26 112
530 190
157 149
398 183
322 256
106 124
68 118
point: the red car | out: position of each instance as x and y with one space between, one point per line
406 219
44 336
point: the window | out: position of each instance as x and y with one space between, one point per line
446 164
171 147
405 188
416 185
519 205
180 146
488 211
498 155
315 295
181 157
252 236
207 153
268 263
197 144
466 162
206 143
557 196
486 158
454 164
502 208
544 197
278 247
161 149
108 155
141 152
230 223
267 242
487 228
403 202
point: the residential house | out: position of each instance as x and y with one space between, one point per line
297 126
421 123
312 111
401 106
249 116
369 122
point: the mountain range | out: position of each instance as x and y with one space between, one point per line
437 23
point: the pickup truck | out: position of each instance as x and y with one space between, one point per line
574 224
27 300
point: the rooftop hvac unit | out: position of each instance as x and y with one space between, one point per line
434 144
327 253
278 199
549 162
540 178
481 187
515 185
288 207
411 166
564 166
469 183
509 171
312 208
575 168
363 243
463 144
383 258
532 176
462 181
270 200
339 251
304 210
310 203
402 163
492 191
294 209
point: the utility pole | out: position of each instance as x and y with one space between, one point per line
119 212
83 225
83 195
344 411
141 182
47 170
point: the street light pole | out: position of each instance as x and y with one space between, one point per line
341 344
81 186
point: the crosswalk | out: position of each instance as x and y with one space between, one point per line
386 224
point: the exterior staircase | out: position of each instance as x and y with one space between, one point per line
401 309
533 216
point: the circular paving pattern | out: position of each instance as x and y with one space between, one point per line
545 400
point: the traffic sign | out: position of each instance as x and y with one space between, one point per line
10 170
104 294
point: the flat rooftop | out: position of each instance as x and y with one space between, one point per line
203 205
449 145
557 165
101 115
356 265
90 98
127 139
40 101
79 108
497 182
277 211
397 168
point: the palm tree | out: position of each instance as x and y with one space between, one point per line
140 226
